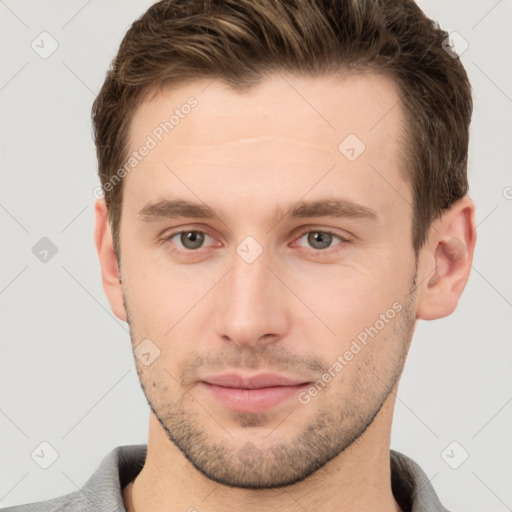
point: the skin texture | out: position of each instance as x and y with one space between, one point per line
293 310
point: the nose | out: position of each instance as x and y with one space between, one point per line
252 308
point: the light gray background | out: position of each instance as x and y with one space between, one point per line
67 373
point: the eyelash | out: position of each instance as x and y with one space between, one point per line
302 232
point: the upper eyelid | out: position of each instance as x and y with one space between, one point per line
207 229
332 231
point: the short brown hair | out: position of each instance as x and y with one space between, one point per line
242 41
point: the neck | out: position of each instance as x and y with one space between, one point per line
357 479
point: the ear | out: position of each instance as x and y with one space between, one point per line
110 274
446 260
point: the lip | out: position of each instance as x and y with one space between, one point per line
262 380
252 394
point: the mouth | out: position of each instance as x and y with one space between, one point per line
252 394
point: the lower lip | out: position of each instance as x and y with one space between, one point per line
253 400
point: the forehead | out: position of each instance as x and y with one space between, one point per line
329 106
280 135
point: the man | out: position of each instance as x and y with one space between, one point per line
285 195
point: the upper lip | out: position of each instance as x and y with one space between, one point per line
263 380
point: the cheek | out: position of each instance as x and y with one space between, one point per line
159 293
349 298
172 307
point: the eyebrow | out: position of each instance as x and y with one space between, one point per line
336 208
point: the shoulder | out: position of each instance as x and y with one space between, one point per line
68 502
103 489
411 487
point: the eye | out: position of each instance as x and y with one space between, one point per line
321 239
189 239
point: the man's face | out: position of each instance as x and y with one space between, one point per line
253 290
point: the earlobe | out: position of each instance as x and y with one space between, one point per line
447 257
110 274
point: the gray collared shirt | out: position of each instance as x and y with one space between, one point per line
103 491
